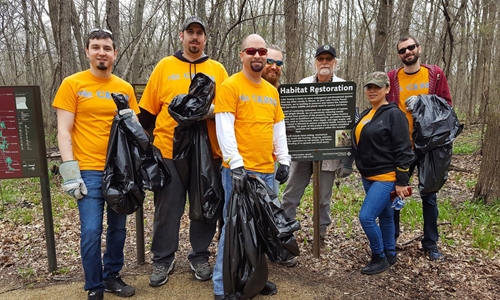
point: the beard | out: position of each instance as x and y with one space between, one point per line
256 67
102 67
194 49
412 61
271 77
325 71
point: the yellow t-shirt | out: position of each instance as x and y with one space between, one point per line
412 85
172 77
89 98
256 108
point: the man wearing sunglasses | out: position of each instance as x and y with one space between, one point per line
325 63
413 79
250 129
172 76
85 111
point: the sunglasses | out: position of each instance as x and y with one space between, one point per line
100 29
325 58
253 51
411 48
279 63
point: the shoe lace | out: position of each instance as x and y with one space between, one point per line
119 281
204 265
159 269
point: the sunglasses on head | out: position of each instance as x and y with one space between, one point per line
271 62
411 48
100 29
253 51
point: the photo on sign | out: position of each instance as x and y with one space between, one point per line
343 138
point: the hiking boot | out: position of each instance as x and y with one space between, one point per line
202 270
96 295
160 274
391 259
377 265
116 286
292 262
269 289
434 254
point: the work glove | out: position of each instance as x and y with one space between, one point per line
209 114
239 178
411 102
127 113
282 173
73 183
344 170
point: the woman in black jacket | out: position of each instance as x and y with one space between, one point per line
383 154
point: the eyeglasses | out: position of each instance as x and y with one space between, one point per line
325 58
279 63
411 48
100 29
253 51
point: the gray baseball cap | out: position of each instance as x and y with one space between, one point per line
379 79
191 20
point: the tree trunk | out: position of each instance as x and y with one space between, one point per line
292 40
113 24
381 43
135 74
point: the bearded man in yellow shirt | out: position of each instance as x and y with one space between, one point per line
171 77
250 129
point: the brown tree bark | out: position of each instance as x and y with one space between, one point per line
381 37
113 24
292 40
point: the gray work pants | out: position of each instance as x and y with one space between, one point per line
300 176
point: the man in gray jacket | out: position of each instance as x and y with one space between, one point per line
300 171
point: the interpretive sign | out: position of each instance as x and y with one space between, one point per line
319 118
19 125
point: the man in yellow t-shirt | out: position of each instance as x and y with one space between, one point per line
250 129
85 112
171 77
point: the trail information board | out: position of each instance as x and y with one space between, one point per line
20 120
319 118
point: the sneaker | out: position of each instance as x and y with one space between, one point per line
96 295
434 254
269 289
116 286
292 262
376 265
202 270
160 274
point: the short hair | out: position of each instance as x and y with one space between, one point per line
405 38
97 34
274 47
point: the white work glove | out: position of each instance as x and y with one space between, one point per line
411 102
210 113
73 183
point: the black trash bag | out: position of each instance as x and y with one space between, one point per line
132 164
274 227
192 153
245 269
433 169
435 123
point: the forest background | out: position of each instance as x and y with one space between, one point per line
41 42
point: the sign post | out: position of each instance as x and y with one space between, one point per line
319 118
22 148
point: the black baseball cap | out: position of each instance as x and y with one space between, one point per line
326 48
191 20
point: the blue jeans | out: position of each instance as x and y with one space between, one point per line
91 210
226 183
377 204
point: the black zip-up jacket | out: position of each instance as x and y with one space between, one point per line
384 145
